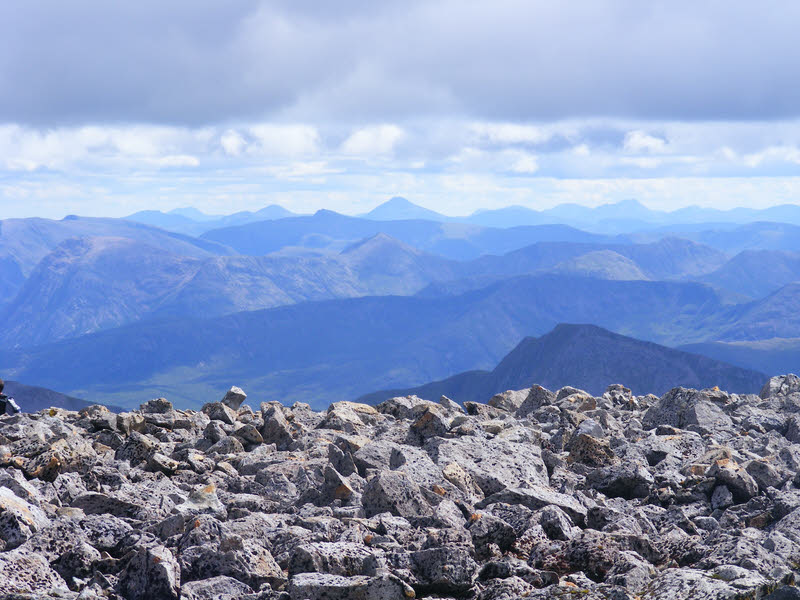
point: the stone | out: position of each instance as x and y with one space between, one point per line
234 398
323 586
153 573
217 411
19 519
682 407
27 573
337 558
537 398
393 492
782 385
590 451
509 401
276 429
536 498
215 588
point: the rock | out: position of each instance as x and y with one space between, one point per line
215 588
447 571
323 586
337 558
537 398
390 491
625 480
590 451
27 573
682 407
721 498
234 397
217 411
152 574
556 524
735 478
495 464
509 401
18 519
783 385
536 498
276 429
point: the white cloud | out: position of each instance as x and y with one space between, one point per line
232 142
639 141
510 133
773 154
525 163
370 141
284 140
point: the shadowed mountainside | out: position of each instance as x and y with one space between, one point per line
590 358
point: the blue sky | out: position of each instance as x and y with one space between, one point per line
108 108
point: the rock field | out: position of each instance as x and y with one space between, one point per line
537 494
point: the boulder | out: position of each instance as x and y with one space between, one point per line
234 397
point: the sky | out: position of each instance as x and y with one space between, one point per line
107 108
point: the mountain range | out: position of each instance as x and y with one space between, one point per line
328 307
590 358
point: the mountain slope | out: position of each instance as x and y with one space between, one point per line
590 358
87 285
776 316
400 209
603 264
33 399
757 273
28 241
339 349
327 229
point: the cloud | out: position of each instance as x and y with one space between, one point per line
510 133
203 62
370 141
639 141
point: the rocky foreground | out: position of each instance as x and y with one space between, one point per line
536 494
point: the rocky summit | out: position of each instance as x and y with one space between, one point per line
535 494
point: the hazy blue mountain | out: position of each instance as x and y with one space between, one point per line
752 236
400 209
757 273
776 316
323 351
90 284
190 221
170 221
33 399
604 264
510 216
590 358
28 241
779 355
327 229
11 280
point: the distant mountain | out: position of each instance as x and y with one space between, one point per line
190 221
629 215
780 354
757 273
400 209
776 316
590 358
327 229
33 399
604 264
91 284
752 236
28 241
318 352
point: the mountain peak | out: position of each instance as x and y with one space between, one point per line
399 208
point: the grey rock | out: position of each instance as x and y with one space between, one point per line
393 492
682 407
234 397
26 573
217 411
536 498
323 586
782 385
215 588
152 573
19 519
337 558
537 398
721 498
